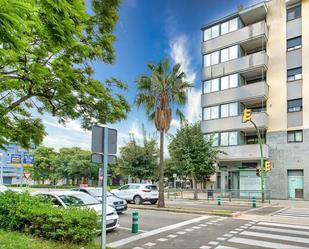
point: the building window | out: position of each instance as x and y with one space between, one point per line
211 32
229 53
228 138
211 86
214 137
295 105
229 26
295 74
229 110
295 136
229 81
211 59
211 112
294 12
294 43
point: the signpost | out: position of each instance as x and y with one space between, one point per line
104 149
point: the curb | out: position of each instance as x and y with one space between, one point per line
188 211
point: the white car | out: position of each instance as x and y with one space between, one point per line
138 193
3 188
78 199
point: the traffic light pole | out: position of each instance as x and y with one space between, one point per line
262 168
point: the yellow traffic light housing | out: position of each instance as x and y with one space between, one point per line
257 171
246 115
267 166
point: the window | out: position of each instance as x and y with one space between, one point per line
295 105
229 110
211 85
211 59
229 138
294 43
295 136
233 138
294 12
295 74
229 81
214 137
211 112
229 26
211 33
224 139
229 53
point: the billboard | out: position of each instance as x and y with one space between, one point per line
16 159
28 160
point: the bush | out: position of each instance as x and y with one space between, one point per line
24 213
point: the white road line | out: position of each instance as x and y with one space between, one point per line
156 231
233 232
203 225
239 229
225 247
181 232
137 248
221 238
244 227
127 228
213 243
215 221
260 243
275 236
228 235
162 239
189 230
150 244
280 230
205 247
196 227
172 236
283 225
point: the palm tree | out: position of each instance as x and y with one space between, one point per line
161 93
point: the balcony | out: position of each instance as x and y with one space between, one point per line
257 90
250 62
247 152
234 123
247 37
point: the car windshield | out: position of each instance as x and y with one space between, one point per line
79 199
152 187
97 192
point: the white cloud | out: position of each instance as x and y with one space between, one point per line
193 106
175 123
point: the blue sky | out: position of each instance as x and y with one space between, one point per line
148 31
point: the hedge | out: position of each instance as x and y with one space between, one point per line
24 213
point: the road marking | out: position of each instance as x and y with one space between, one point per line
181 232
137 248
215 221
283 225
189 230
172 236
150 244
261 243
233 232
203 225
221 238
228 235
225 247
243 227
205 247
275 236
279 230
239 229
213 243
156 231
196 227
162 239
127 228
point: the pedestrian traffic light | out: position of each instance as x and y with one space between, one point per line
267 166
246 115
257 171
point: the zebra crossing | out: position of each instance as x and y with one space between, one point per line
268 235
294 212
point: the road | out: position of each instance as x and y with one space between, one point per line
173 230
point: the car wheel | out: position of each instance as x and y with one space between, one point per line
137 200
153 202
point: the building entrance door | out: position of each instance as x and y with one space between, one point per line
295 184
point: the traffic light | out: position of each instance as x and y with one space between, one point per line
257 171
267 166
246 115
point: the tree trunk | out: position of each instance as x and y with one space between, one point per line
161 178
195 189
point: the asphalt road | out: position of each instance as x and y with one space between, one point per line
187 231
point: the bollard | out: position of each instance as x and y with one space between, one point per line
253 202
135 222
219 200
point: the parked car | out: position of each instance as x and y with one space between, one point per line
138 193
119 204
3 188
66 199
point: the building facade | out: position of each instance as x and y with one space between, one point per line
258 58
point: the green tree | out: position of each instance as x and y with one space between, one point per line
45 164
46 55
140 161
160 93
193 154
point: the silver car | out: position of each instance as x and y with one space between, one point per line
119 204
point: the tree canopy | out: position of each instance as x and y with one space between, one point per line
47 50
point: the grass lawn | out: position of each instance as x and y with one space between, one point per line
15 240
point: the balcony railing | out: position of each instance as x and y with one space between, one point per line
245 152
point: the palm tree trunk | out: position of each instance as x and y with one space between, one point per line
161 178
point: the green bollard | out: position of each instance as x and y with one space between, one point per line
135 222
219 200
253 202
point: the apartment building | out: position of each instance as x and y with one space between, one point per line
258 58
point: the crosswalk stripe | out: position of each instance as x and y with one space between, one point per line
294 212
284 225
271 229
275 236
265 244
225 247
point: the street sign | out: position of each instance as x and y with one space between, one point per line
174 175
16 159
99 158
27 175
28 160
97 145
